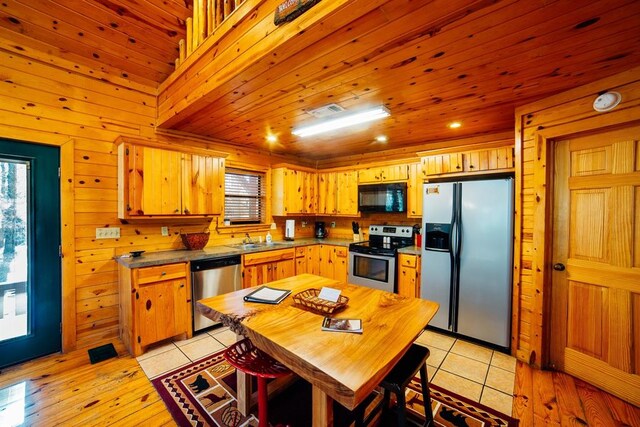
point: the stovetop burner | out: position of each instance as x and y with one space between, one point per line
384 240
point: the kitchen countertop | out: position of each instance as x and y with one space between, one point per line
411 250
149 259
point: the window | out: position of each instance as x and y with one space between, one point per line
244 197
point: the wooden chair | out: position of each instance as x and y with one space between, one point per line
244 356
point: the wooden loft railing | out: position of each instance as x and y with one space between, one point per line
207 16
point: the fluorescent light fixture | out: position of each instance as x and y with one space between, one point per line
342 121
454 125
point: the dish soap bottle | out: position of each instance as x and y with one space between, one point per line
268 238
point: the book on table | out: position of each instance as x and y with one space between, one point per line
342 325
267 295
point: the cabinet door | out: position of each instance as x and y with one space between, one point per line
492 159
313 260
203 185
414 191
339 261
256 275
327 193
442 163
154 183
369 175
347 193
283 269
162 310
394 173
408 277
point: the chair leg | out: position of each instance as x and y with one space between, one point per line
426 396
263 401
385 405
402 408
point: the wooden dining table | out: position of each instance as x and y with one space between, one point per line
341 366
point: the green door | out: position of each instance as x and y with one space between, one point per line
30 283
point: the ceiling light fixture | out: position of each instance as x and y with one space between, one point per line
381 138
454 125
272 138
342 121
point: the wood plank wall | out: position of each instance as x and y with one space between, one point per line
564 114
48 100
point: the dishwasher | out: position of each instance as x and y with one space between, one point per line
211 277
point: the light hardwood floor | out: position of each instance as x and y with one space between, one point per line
67 389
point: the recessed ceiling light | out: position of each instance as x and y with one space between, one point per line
272 138
339 121
381 138
454 125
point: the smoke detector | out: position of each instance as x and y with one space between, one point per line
607 101
326 111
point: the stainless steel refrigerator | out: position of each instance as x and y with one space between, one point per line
467 257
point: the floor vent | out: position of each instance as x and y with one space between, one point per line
101 353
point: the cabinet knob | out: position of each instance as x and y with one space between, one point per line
164 273
176 211
186 211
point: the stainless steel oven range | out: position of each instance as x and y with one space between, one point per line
373 263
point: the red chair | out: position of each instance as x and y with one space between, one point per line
246 357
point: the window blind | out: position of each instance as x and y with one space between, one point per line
244 196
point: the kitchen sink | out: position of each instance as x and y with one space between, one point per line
255 245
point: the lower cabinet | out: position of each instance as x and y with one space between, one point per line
264 267
332 262
409 275
155 304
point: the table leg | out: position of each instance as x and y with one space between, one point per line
243 386
322 408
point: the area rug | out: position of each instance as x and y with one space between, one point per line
203 393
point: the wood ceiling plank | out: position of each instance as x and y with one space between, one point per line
53 38
41 26
149 14
157 37
24 46
102 33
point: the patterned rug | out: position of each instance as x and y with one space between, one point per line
204 394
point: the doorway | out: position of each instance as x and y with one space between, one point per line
30 272
595 299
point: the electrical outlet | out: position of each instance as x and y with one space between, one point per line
164 231
273 225
304 224
108 233
333 224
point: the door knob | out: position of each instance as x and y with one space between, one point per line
558 267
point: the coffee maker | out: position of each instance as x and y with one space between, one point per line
321 230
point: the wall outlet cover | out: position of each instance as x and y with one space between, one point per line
273 225
333 224
164 231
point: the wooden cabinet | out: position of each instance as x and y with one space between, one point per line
263 267
489 159
155 304
302 259
409 275
338 193
158 182
414 191
293 192
333 262
376 174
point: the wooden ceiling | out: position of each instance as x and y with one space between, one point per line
429 62
134 39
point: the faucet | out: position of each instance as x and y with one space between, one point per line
248 239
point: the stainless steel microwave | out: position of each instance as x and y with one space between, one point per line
383 197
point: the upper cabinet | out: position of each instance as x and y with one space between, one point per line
338 193
492 159
414 191
293 191
375 174
157 182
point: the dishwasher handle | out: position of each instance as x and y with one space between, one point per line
209 264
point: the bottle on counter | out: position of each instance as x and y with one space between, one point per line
268 238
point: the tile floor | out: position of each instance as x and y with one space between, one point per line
476 372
